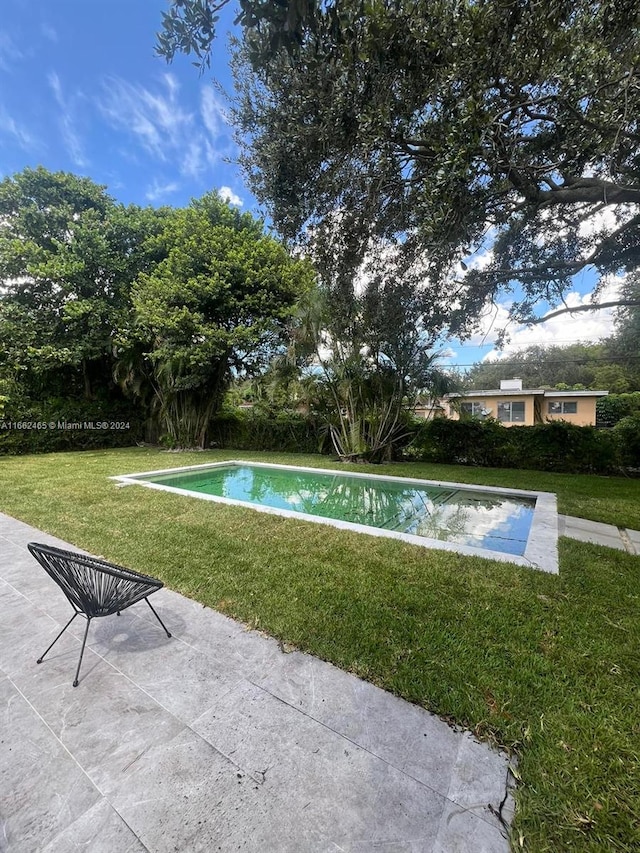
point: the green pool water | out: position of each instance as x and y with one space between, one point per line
480 519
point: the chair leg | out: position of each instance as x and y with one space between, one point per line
84 640
41 658
157 617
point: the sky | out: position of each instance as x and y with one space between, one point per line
81 91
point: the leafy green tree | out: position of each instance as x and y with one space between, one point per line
68 257
216 307
593 366
626 340
366 348
615 407
446 126
544 367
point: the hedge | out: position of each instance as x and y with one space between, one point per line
554 446
57 425
253 429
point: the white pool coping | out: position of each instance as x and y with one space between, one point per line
541 551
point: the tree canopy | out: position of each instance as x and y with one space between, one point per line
68 257
216 306
625 341
366 347
578 366
97 298
448 127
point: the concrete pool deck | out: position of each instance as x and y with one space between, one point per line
599 534
215 740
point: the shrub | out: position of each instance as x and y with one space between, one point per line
626 435
56 425
466 442
556 446
564 447
259 429
614 407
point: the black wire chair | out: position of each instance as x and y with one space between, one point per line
93 587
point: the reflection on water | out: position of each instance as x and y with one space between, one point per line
477 518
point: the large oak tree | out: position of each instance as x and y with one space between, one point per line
445 126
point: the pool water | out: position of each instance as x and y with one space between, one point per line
465 516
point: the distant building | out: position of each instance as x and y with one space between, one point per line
428 409
512 405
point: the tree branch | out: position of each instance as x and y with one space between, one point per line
591 190
618 303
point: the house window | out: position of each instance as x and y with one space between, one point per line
563 408
474 409
511 413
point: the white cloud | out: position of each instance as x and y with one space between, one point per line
158 190
213 114
192 161
164 129
67 122
10 127
154 118
448 353
228 195
479 261
581 327
9 52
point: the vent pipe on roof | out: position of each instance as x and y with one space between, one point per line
514 384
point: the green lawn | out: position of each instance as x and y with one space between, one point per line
548 667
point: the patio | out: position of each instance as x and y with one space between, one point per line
215 739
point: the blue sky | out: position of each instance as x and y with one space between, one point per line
81 91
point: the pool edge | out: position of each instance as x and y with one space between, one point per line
540 553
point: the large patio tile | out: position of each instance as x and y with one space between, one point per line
390 727
98 830
479 780
107 722
184 796
20 570
20 534
246 651
26 631
182 679
313 769
461 831
406 736
594 532
42 789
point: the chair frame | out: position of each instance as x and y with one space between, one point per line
93 587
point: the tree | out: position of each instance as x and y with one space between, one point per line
215 307
594 366
626 339
68 257
369 345
444 125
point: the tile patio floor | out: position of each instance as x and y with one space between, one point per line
215 740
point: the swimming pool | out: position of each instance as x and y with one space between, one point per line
506 524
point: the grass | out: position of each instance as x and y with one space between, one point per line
546 666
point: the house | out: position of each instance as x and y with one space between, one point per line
427 409
513 405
